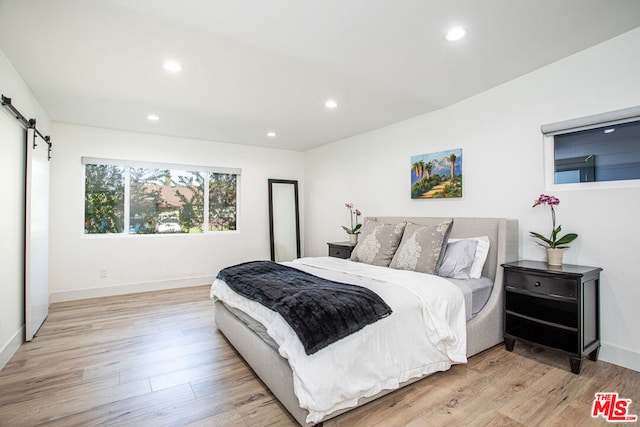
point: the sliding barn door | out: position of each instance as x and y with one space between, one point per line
36 273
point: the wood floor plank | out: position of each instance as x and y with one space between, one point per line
128 410
157 359
231 418
66 402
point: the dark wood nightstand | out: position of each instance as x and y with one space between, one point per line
341 249
553 307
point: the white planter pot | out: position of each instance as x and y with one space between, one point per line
554 256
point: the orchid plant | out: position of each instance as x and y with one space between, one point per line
353 214
553 241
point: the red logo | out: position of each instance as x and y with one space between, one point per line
612 408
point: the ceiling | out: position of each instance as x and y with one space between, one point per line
254 66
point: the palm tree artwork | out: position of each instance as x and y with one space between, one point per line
427 170
417 169
437 175
452 160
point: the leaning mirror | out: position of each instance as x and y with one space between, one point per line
284 220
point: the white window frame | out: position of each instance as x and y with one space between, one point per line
128 164
549 131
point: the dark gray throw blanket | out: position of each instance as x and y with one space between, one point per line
320 311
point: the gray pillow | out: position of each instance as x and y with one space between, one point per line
377 243
421 247
458 259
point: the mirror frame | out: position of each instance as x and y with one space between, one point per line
271 231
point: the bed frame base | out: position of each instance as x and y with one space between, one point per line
270 367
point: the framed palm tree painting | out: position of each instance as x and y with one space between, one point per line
437 175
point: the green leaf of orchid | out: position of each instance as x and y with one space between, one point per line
568 238
541 237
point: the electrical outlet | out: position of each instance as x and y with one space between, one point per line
103 274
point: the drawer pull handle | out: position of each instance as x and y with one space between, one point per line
537 284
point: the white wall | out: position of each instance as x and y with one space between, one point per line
499 133
12 161
149 262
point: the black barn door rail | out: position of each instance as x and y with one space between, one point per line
29 123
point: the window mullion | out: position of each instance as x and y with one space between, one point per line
205 226
127 199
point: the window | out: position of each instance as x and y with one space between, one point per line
594 152
222 201
104 199
165 201
158 199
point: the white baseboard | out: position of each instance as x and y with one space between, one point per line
11 347
129 288
620 356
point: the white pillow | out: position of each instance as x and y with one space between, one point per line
458 259
482 250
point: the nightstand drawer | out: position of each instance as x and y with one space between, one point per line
544 285
340 250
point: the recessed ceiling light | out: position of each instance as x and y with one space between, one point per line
331 103
153 117
172 66
609 130
271 134
455 34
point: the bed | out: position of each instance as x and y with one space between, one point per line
240 322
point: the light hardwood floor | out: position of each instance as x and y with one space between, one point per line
157 359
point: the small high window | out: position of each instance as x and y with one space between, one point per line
594 152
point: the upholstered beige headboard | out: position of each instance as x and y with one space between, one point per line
502 232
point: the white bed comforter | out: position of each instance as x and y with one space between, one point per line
425 333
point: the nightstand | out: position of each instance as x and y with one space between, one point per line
341 249
555 307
